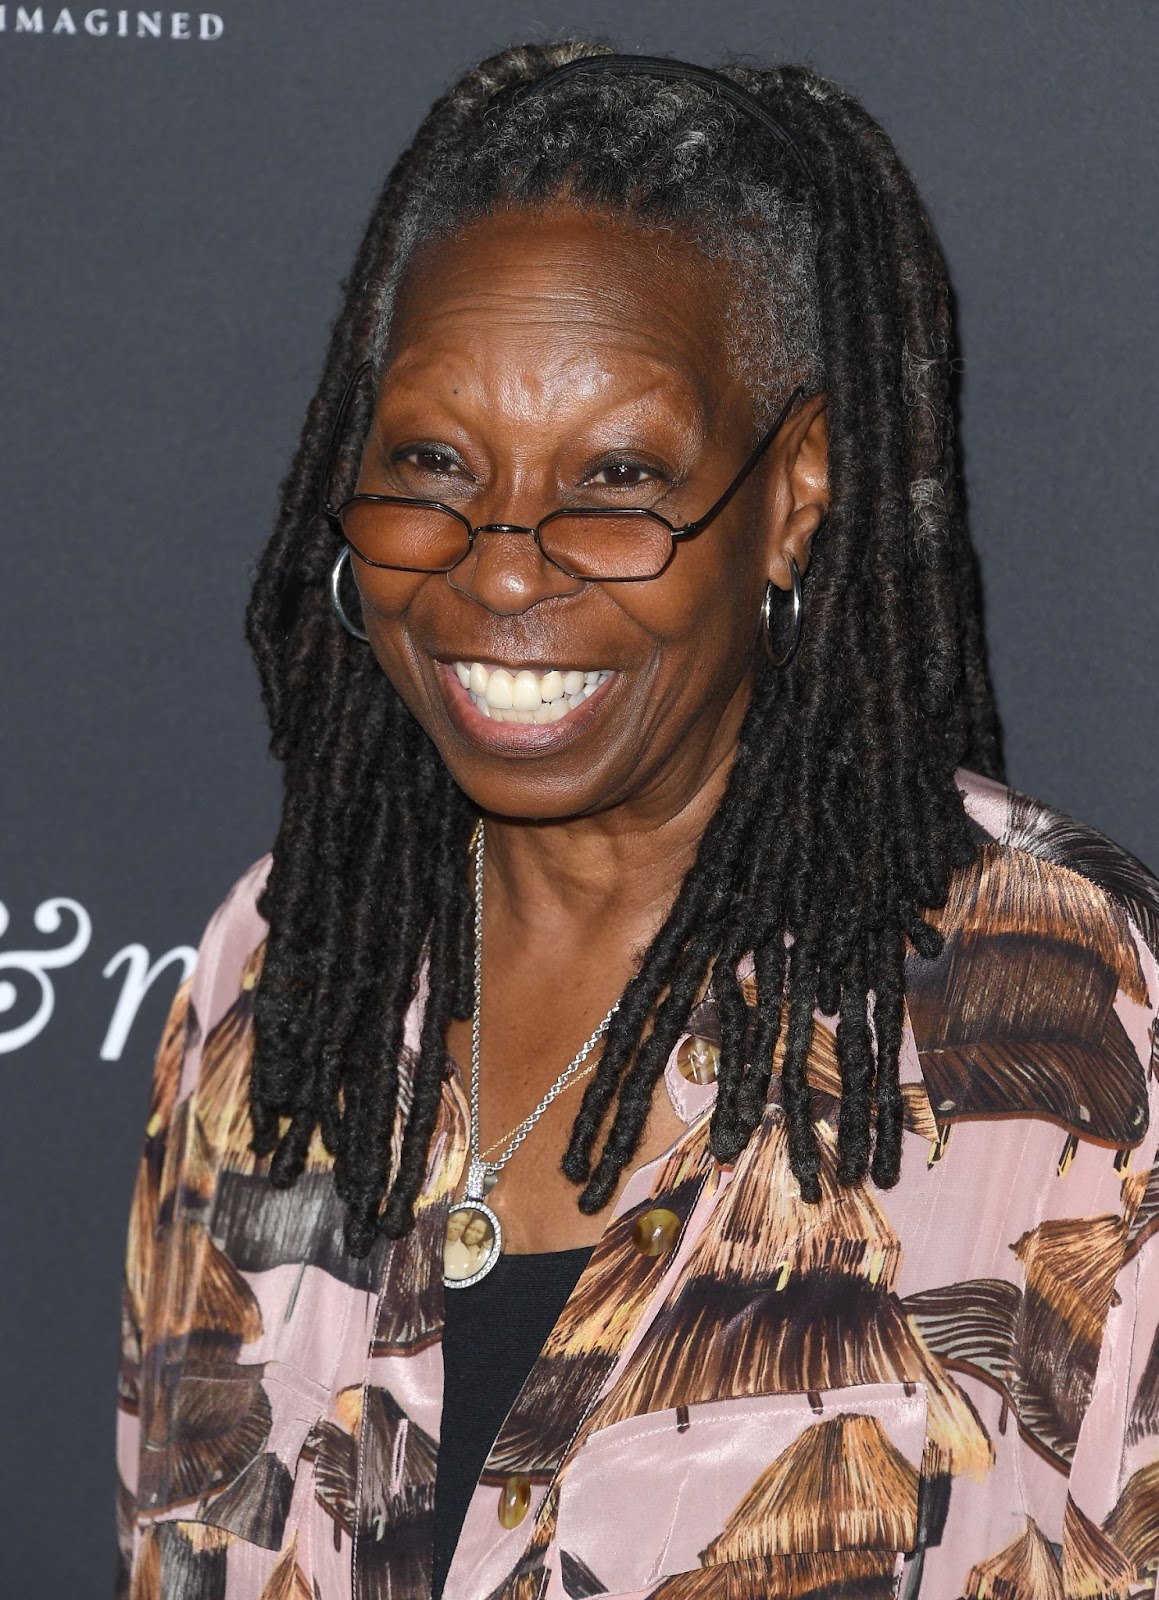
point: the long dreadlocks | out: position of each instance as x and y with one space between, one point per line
841 822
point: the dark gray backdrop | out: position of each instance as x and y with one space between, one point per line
177 214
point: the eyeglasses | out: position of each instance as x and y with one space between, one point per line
605 544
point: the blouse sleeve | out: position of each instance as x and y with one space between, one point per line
1129 1375
1112 1519
138 1265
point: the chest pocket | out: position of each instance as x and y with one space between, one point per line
221 1445
776 1494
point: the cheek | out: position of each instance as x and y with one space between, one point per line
386 596
387 599
703 609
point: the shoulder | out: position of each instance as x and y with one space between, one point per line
229 955
1038 844
1042 1001
235 929
237 923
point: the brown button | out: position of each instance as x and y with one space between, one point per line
697 1059
655 1232
514 1499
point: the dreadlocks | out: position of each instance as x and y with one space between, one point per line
841 822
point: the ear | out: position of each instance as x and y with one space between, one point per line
797 488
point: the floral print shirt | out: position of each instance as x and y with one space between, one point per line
950 1389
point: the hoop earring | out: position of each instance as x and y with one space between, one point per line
798 619
336 597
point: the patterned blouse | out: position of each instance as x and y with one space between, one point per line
950 1389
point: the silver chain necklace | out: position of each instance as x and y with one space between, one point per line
474 1239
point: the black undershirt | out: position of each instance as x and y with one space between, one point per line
492 1335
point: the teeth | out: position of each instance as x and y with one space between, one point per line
499 690
526 696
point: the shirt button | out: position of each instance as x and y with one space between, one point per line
655 1232
698 1059
514 1499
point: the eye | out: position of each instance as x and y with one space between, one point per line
623 473
434 459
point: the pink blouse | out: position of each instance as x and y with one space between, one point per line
950 1389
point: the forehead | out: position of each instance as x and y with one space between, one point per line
549 284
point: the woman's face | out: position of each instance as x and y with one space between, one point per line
551 358
475 1232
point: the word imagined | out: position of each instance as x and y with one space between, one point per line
101 23
139 975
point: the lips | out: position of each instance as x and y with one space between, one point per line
521 695
520 729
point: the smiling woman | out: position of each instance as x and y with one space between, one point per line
555 393
651 750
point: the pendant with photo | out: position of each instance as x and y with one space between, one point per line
473 1244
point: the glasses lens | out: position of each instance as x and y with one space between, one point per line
616 545
416 538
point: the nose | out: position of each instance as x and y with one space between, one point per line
506 571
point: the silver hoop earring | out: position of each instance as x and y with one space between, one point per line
336 597
797 619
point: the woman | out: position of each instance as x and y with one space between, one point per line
468 1245
655 717
457 1258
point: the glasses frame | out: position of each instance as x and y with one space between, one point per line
687 530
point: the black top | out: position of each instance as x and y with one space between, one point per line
492 1335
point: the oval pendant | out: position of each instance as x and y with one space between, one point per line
473 1244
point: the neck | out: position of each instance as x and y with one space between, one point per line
621 869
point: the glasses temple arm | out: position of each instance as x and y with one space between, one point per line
327 472
715 509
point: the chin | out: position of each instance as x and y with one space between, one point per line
525 794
